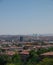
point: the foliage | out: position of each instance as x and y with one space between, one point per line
16 59
33 58
13 64
42 50
4 59
46 61
10 64
50 49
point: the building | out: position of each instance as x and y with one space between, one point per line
47 54
21 38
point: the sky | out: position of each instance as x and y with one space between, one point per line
26 16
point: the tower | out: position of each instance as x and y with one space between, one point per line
21 38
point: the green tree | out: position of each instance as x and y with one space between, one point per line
10 64
42 50
46 61
4 59
33 58
13 64
16 59
50 49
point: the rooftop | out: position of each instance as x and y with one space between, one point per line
48 54
25 52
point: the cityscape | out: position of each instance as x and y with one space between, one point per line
11 45
26 32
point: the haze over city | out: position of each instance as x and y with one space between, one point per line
26 16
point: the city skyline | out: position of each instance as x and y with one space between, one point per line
26 17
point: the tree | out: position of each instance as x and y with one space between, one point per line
50 49
10 64
42 50
46 61
33 58
4 59
16 59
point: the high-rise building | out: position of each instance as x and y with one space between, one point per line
21 38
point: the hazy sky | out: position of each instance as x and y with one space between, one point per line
26 16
